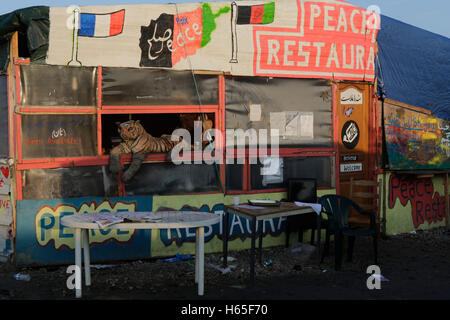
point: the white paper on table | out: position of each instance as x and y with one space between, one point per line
317 207
255 112
246 206
153 218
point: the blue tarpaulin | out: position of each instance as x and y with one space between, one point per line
413 66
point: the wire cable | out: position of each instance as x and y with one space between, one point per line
199 99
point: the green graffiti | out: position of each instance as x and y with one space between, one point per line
209 23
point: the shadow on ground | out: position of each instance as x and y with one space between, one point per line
415 264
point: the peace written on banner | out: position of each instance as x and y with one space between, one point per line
290 38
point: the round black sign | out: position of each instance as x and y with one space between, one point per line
350 134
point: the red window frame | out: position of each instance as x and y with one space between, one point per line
101 159
287 152
100 110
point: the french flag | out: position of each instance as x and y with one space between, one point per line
101 25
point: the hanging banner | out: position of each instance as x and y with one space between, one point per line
285 38
415 140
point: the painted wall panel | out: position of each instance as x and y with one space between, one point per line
414 204
42 239
6 243
415 140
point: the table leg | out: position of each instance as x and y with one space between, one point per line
252 252
225 239
260 241
87 259
200 262
197 256
78 263
319 224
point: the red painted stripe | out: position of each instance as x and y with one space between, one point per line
257 14
117 21
59 110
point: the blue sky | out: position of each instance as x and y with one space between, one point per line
428 15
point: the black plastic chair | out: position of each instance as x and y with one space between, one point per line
336 208
303 190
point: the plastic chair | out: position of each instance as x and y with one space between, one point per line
303 190
336 208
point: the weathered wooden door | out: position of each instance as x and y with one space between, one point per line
356 135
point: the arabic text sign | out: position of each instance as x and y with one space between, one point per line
330 40
351 96
415 140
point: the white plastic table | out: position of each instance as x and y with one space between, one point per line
168 220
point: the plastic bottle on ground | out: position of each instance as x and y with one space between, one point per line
21 276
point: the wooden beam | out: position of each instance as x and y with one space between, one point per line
407 106
421 176
12 101
447 216
383 220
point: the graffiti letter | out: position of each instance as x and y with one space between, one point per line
46 226
61 227
394 183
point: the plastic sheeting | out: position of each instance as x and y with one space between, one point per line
413 66
33 26
58 86
61 183
281 103
168 178
126 86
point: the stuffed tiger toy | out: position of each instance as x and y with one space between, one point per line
138 142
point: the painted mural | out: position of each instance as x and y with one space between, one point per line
427 205
42 239
6 232
6 212
5 177
415 140
287 38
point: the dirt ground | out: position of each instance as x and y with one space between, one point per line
415 266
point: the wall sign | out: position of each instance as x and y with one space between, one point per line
351 167
350 134
426 203
351 96
349 157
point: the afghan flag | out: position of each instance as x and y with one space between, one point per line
171 37
245 15
256 14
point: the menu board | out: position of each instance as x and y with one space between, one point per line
57 135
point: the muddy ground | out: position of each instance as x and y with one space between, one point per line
416 266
